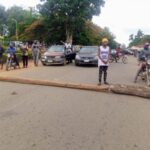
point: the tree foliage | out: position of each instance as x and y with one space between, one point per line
2 18
22 16
59 19
139 39
71 14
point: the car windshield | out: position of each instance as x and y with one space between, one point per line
56 49
89 50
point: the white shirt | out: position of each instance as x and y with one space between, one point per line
67 45
104 55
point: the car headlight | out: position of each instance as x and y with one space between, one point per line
44 57
77 57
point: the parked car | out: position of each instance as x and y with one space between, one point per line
56 54
87 56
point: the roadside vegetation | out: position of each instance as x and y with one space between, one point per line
54 21
139 39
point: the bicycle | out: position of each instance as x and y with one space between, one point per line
121 56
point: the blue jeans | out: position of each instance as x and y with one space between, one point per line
35 57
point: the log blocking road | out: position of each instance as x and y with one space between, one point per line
44 118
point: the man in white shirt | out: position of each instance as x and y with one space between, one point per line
103 60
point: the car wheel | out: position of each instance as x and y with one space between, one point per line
76 64
43 64
65 62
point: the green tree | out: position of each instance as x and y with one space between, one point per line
140 34
139 39
2 19
106 33
131 37
23 17
72 14
92 34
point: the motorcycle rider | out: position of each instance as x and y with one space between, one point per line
103 60
142 59
118 50
12 51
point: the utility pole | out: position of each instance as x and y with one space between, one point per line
16 22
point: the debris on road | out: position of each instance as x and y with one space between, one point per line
14 93
140 91
55 84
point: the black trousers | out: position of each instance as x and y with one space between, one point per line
16 60
25 61
103 72
1 61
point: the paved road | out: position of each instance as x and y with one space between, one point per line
46 118
118 73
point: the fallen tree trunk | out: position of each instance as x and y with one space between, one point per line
139 91
55 84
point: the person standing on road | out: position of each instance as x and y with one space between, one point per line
35 52
103 60
24 49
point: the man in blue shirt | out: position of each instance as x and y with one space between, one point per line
12 51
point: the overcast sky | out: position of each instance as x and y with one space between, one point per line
123 17
23 3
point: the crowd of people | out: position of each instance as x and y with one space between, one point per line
103 56
25 48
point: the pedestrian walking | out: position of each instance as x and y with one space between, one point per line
103 60
35 52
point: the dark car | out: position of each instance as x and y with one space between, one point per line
87 56
56 54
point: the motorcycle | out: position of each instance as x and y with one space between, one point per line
10 63
148 71
121 56
145 72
